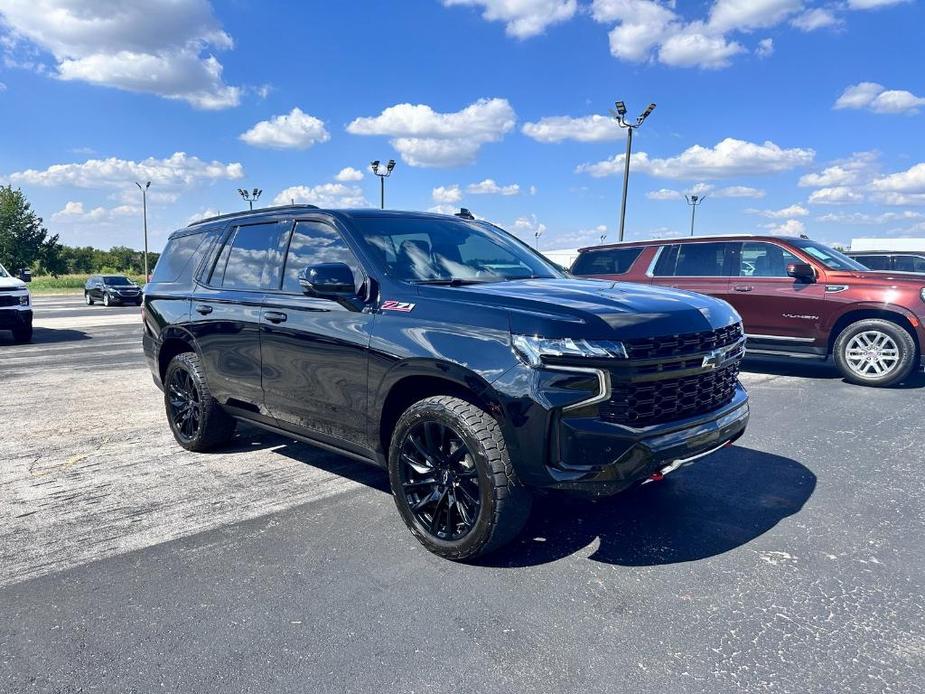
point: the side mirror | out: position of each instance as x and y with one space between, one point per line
25 275
328 280
801 271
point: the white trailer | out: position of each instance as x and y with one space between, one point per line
881 244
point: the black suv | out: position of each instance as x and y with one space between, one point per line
442 349
897 261
111 289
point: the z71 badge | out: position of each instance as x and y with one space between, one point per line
403 306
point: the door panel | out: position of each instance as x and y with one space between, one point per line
315 350
696 267
774 307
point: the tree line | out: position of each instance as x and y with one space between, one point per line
26 244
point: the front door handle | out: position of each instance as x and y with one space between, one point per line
203 309
743 288
275 316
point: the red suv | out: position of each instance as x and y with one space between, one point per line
797 297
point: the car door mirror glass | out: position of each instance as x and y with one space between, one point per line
328 280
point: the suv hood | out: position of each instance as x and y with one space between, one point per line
12 283
593 309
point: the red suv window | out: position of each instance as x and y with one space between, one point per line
611 261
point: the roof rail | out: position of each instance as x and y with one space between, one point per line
248 213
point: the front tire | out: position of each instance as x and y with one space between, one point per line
88 298
197 421
875 352
452 479
106 301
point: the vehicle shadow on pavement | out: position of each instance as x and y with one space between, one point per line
716 505
819 370
46 336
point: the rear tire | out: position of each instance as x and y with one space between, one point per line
197 421
460 504
875 352
88 298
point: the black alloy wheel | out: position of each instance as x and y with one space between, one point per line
439 480
185 404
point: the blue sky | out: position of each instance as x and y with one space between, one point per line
791 116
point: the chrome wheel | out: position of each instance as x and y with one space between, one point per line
439 480
185 404
872 354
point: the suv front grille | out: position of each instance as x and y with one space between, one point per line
681 345
8 300
644 403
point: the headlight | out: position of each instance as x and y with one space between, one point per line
24 300
534 349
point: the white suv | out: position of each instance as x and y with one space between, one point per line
15 306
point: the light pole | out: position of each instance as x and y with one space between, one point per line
620 115
374 165
693 201
144 213
250 196
536 237
603 237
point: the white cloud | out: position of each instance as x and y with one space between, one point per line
529 227
592 128
910 181
180 169
74 212
425 137
489 187
326 195
444 209
786 212
873 4
877 98
160 47
739 192
664 194
831 176
295 130
865 218
447 194
2 87
577 239
792 227
522 18
730 157
816 18
204 213
348 174
706 189
765 48
726 15
835 195
694 46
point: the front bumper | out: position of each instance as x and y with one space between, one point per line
603 458
14 317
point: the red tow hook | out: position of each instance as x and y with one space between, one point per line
656 477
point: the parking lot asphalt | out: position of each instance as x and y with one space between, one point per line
790 562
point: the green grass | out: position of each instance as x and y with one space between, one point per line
67 284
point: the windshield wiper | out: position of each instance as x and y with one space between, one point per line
451 281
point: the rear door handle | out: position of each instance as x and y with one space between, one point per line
275 316
204 309
743 288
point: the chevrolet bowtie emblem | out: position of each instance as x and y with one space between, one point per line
714 358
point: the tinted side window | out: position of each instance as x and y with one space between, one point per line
312 243
874 262
176 258
615 261
764 260
251 257
701 260
907 263
667 259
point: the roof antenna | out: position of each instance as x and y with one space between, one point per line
464 213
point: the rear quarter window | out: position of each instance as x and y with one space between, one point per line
614 261
177 261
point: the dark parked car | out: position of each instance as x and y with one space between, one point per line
797 297
895 261
442 349
111 289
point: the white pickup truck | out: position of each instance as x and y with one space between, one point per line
15 306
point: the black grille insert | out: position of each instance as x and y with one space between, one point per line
681 345
644 403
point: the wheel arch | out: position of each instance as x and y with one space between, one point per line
894 315
408 382
174 341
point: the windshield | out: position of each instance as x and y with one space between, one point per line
117 281
430 249
829 257
3 272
